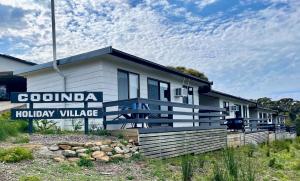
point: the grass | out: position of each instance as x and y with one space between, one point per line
11 128
29 178
84 162
15 154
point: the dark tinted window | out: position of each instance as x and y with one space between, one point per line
123 85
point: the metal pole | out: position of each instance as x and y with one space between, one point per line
30 126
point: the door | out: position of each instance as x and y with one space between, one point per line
159 90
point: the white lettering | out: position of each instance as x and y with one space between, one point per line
47 97
91 96
78 97
22 97
65 97
35 97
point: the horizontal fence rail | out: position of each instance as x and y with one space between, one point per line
147 112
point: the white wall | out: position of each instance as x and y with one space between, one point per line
7 65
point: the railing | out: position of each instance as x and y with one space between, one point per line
149 113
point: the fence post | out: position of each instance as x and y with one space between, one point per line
86 121
30 126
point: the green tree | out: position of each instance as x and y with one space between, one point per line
190 71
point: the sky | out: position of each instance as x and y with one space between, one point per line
248 48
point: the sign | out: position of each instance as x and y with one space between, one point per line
63 113
56 97
56 113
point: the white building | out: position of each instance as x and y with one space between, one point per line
119 76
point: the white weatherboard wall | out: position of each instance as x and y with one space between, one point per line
232 103
101 75
7 65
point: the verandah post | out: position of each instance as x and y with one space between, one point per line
30 125
86 120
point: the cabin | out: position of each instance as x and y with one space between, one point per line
167 98
8 81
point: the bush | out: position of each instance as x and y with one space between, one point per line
250 149
273 164
10 127
16 154
137 157
84 162
100 132
231 163
280 145
29 178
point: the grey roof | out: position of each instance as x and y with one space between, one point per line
113 52
216 93
17 59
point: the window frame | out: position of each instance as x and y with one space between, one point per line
128 73
188 87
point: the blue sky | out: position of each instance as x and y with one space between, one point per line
249 48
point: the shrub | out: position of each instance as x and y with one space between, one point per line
231 163
124 142
268 152
100 132
117 160
250 149
218 174
16 154
84 162
10 127
45 126
130 177
120 136
280 145
137 157
187 168
273 164
29 178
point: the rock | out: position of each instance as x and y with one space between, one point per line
73 144
106 142
117 156
118 150
126 150
65 147
81 155
45 152
106 148
109 153
95 148
98 143
53 148
58 159
73 159
133 149
114 145
98 154
131 141
81 150
77 148
89 144
103 158
69 153
58 153
128 155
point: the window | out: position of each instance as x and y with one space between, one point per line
128 85
226 106
3 92
189 99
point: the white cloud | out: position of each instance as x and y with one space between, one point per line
253 56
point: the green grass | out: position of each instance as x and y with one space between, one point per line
21 139
9 128
29 178
84 162
15 154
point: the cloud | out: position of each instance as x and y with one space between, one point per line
252 52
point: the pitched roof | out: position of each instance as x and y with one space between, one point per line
113 52
17 59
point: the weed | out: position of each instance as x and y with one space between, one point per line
84 162
120 136
273 163
218 174
16 154
268 152
124 142
45 126
21 139
10 127
29 178
231 163
100 132
250 150
116 159
187 168
297 166
280 145
137 157
130 177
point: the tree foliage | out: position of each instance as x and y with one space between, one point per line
190 71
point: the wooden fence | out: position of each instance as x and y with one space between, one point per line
173 143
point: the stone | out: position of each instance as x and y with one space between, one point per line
133 149
128 155
77 148
95 148
103 158
114 145
109 154
106 148
81 155
118 150
65 147
73 159
126 150
69 153
117 156
45 152
58 159
72 144
88 144
98 143
98 154
81 150
53 148
58 153
106 142
131 141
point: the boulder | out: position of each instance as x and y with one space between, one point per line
106 148
107 142
126 150
128 155
53 148
69 153
98 143
95 148
103 158
88 144
72 144
77 148
117 156
118 150
98 154
58 159
83 150
73 159
45 152
131 141
65 147
109 154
